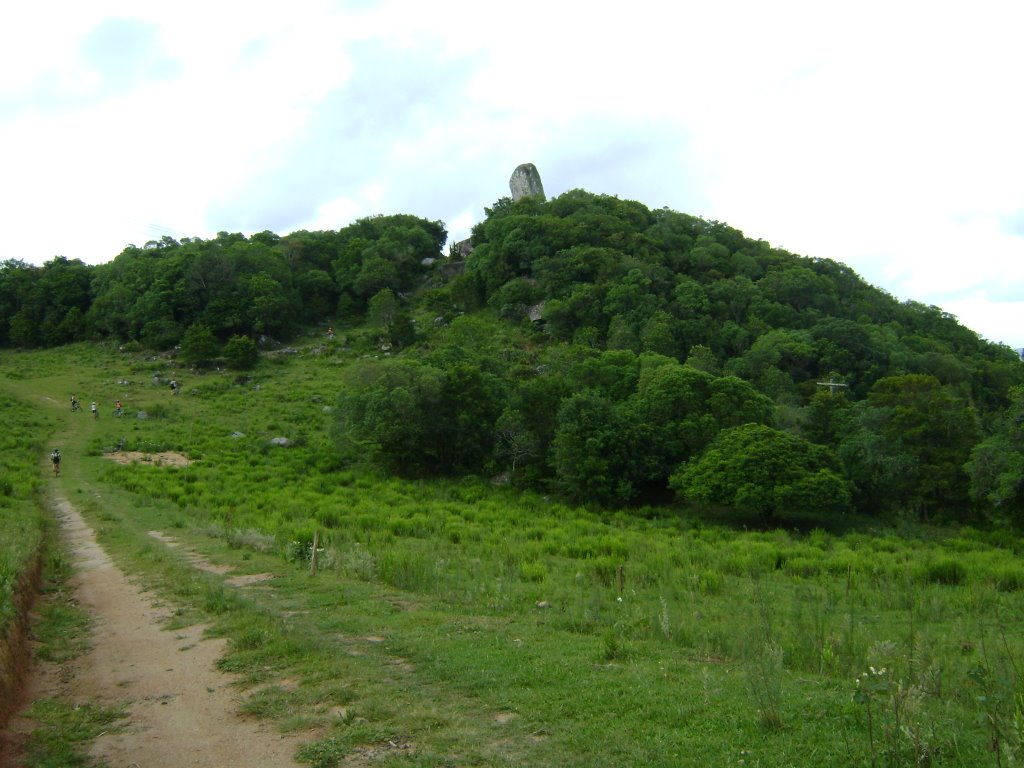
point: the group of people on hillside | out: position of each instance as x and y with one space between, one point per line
118 408
75 406
95 410
93 407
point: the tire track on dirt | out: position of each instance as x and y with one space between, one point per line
182 711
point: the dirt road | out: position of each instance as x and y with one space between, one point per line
182 711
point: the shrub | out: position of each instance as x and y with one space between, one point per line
1008 579
241 353
946 571
198 345
534 572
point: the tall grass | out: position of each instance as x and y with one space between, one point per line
22 520
627 638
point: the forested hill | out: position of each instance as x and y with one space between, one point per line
589 345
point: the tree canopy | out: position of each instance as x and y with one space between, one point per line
589 346
768 473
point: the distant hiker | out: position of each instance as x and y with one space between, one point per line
74 403
117 407
174 387
330 333
95 410
55 459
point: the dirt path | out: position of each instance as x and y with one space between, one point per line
182 711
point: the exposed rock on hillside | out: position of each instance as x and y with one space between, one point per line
525 181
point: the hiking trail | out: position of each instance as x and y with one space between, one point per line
181 710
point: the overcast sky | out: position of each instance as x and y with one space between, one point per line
886 135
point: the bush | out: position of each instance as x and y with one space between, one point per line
1008 579
198 346
241 353
950 572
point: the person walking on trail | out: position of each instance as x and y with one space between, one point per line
95 410
55 460
74 403
174 387
117 408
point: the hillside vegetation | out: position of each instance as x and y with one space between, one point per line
457 621
589 347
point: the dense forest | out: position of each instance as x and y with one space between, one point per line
588 346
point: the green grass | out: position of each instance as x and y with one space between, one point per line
460 623
64 730
22 519
61 627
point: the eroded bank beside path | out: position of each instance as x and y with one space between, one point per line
181 709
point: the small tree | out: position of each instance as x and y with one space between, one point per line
514 440
382 308
198 345
241 353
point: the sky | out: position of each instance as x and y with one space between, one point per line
885 135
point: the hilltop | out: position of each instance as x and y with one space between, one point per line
587 346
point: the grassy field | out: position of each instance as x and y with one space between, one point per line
22 516
464 623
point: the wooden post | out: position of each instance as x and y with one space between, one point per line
312 555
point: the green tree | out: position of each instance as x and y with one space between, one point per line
415 419
160 333
386 412
318 295
401 331
199 345
685 408
513 439
269 309
907 445
241 353
659 335
827 415
765 472
789 351
471 402
996 466
382 308
375 275
591 450
703 359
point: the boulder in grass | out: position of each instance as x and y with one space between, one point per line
284 442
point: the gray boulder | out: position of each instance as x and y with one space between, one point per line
463 248
525 182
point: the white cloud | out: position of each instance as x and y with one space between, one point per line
885 136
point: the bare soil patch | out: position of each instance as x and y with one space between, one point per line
194 558
158 458
199 562
182 711
246 579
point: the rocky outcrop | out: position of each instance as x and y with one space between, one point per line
463 248
525 182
